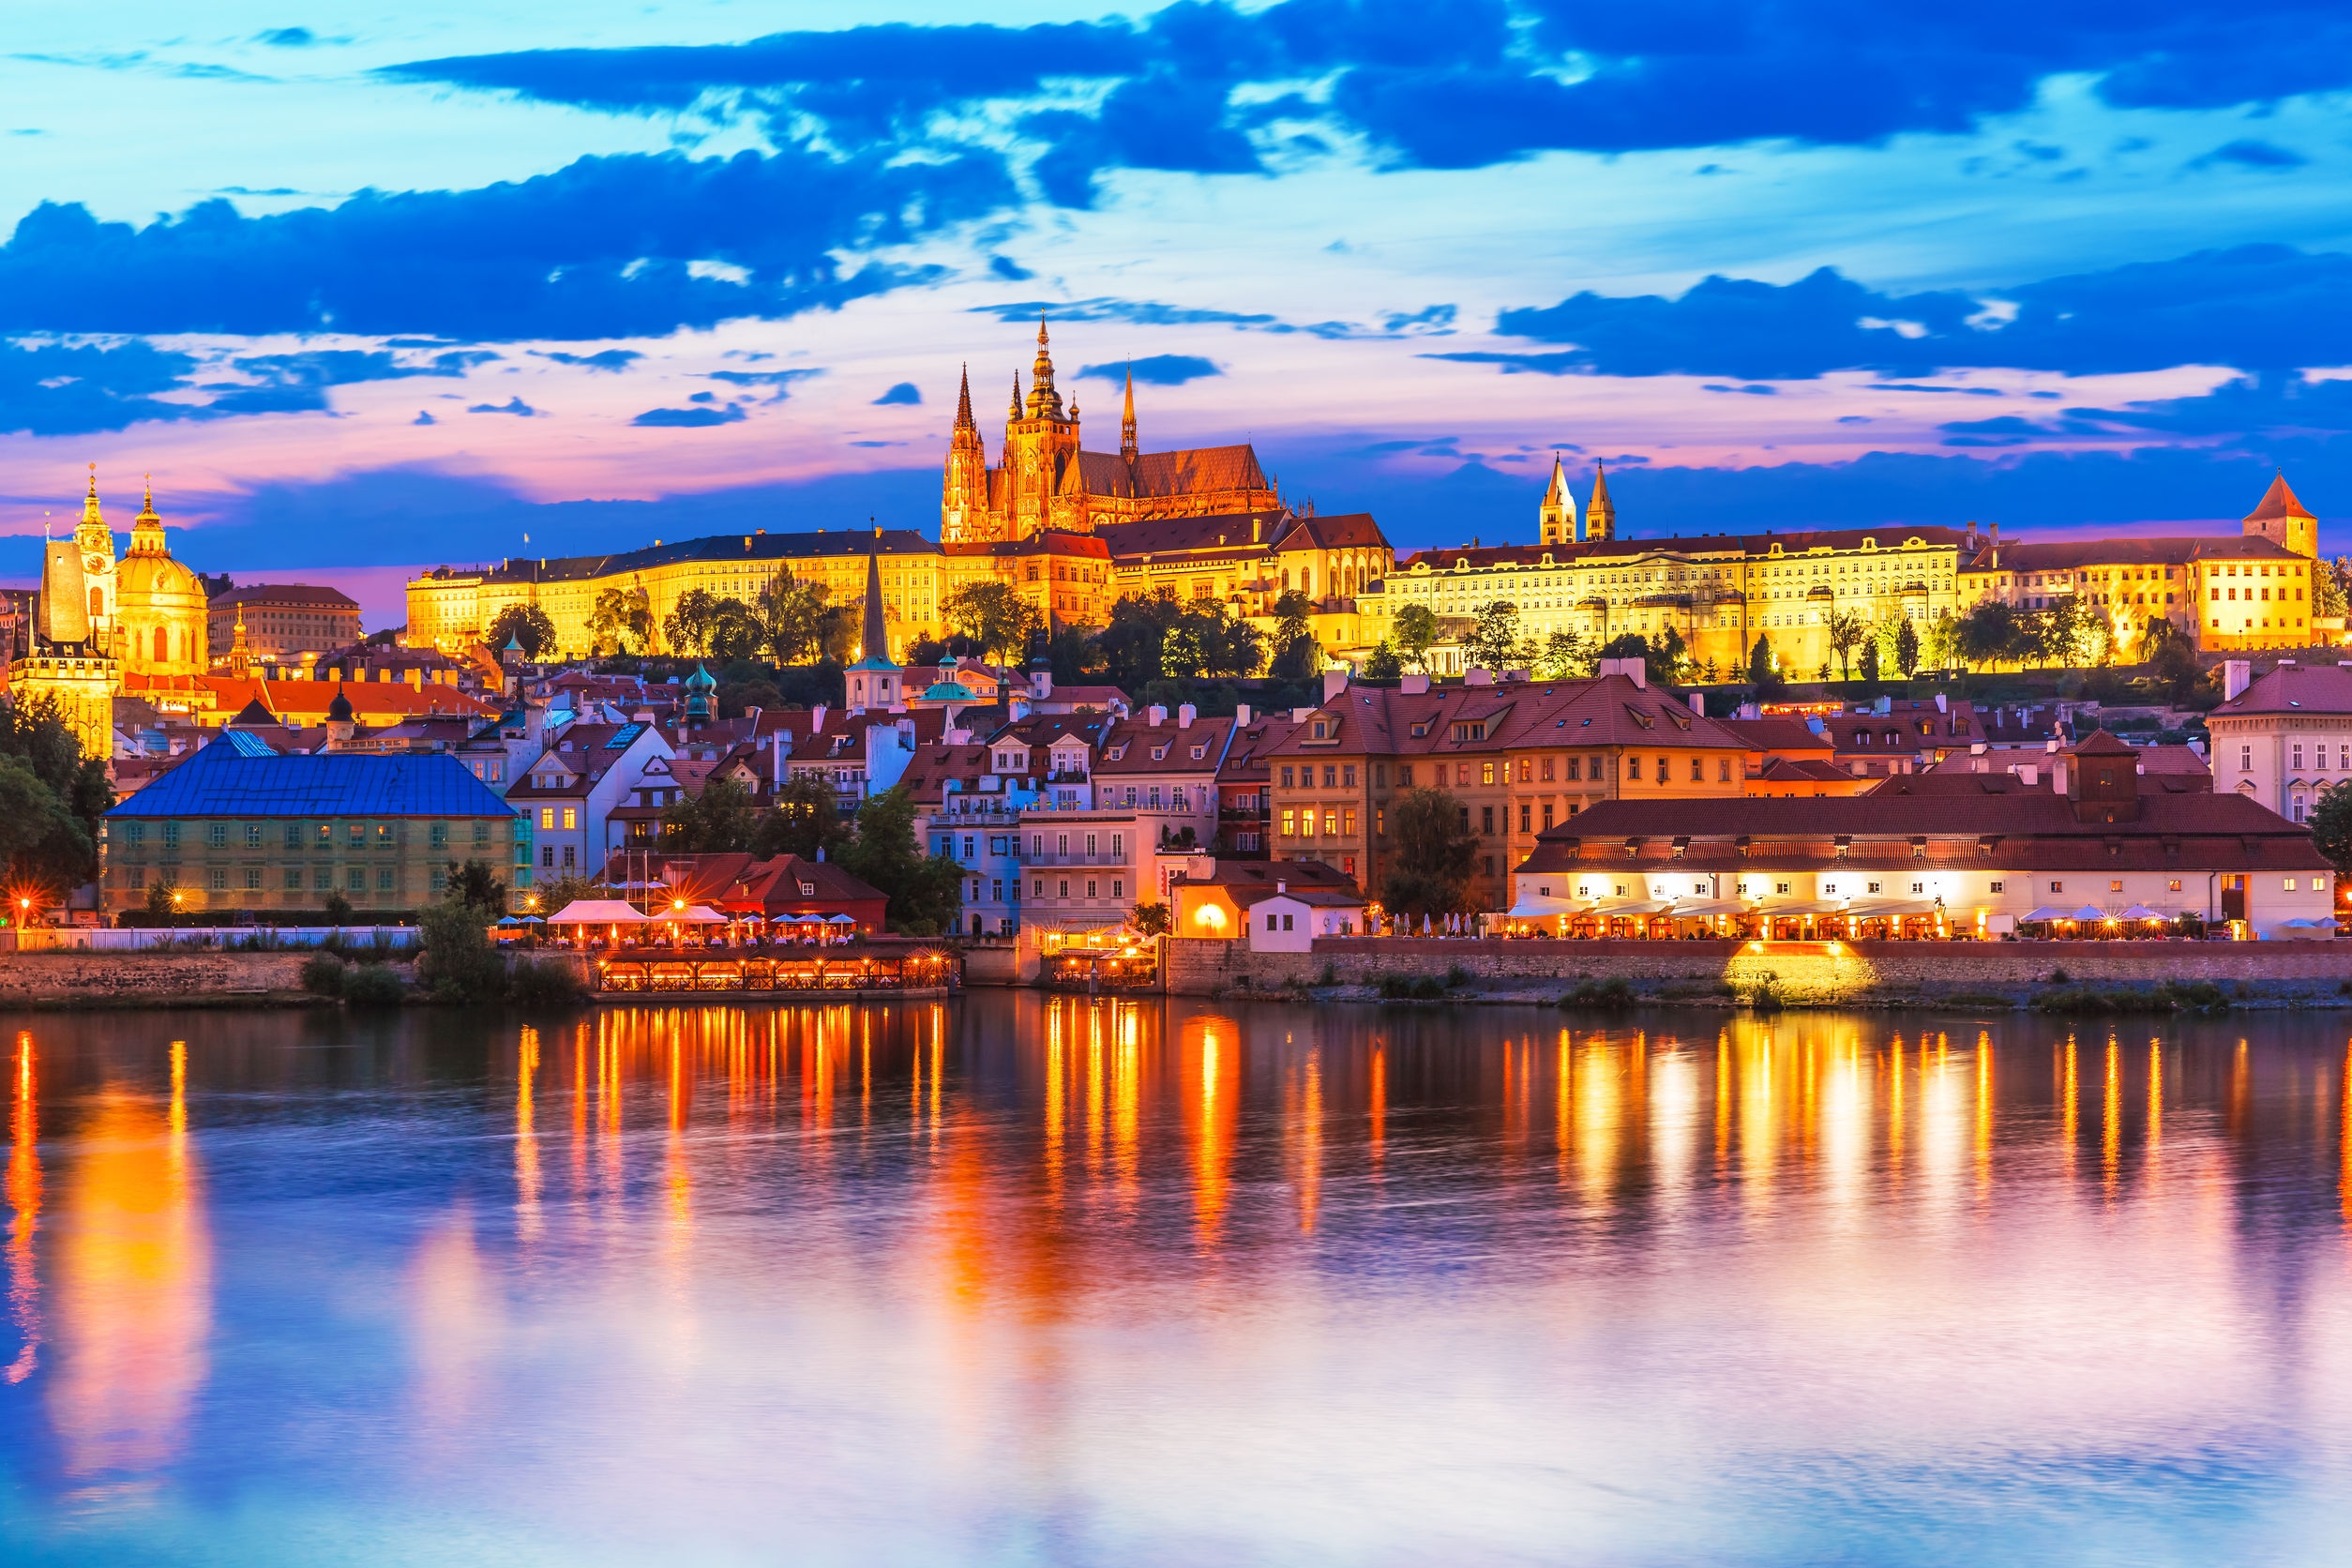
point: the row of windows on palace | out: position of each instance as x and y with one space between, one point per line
1755 888
354 878
132 834
1531 770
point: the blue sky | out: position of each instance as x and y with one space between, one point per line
369 289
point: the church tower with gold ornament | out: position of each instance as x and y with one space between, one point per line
963 516
1041 443
95 542
161 620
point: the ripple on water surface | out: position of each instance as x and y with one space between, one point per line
1017 1278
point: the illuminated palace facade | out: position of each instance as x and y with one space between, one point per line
1072 531
1723 591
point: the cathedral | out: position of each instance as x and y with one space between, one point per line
1049 481
101 618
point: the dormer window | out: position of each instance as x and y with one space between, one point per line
1319 729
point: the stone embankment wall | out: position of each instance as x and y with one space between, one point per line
1796 971
84 979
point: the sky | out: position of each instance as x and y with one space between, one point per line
369 289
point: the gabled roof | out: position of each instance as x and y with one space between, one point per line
239 775
2308 688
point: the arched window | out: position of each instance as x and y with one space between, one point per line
162 644
98 603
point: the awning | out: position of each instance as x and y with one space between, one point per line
1706 909
699 914
1892 910
1536 906
1791 912
1629 909
2047 912
841 920
2324 923
597 911
2089 912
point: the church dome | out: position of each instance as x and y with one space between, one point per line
161 610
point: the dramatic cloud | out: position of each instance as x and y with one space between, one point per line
1443 84
606 247
58 389
2258 306
1158 370
905 392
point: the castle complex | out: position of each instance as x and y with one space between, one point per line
1072 531
1721 592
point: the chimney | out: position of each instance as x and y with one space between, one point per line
817 719
1478 677
1942 706
1413 685
1335 682
2058 774
2031 775
1157 714
1282 887
1241 716
2237 675
1698 703
1185 713
780 744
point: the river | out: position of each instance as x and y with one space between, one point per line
1017 1280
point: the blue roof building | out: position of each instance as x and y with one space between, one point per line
238 828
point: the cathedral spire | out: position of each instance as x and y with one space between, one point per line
1017 396
1128 449
963 403
1556 519
1044 402
875 636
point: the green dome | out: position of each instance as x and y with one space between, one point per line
949 691
702 680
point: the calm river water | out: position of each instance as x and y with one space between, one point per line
1017 1279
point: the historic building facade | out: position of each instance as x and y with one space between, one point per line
99 618
2250 591
1046 480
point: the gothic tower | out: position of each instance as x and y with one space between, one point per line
2284 520
1600 513
1556 516
1040 442
963 516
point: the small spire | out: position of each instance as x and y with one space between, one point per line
1017 396
963 400
1127 447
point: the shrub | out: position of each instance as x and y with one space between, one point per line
1603 995
1406 987
458 964
2194 996
545 983
322 974
373 986
1764 996
1456 977
2059 978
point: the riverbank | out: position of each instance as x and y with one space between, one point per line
83 980
2013 975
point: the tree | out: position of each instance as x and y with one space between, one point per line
44 839
791 616
837 630
1382 663
561 893
926 891
1991 632
2331 824
1943 641
2331 588
1567 656
1416 630
1151 920
1495 642
993 615
1133 645
926 652
1072 653
1435 854
719 821
1205 639
476 885
1297 655
455 961
686 629
1760 671
2065 631
803 819
336 909
1906 649
737 633
1870 660
160 908
525 624
1847 631
623 615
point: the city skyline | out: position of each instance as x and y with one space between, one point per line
423 285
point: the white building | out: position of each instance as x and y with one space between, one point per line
2284 738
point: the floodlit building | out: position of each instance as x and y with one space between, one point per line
2285 739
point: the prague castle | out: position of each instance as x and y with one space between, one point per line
1049 481
1721 592
1072 531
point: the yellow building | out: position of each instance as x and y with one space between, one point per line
1719 592
2226 593
98 619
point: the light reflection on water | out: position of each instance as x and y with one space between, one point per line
1020 1279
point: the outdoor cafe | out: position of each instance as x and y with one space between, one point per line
594 925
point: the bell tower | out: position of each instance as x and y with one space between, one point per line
1600 513
1557 518
96 541
2284 520
1040 442
964 508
